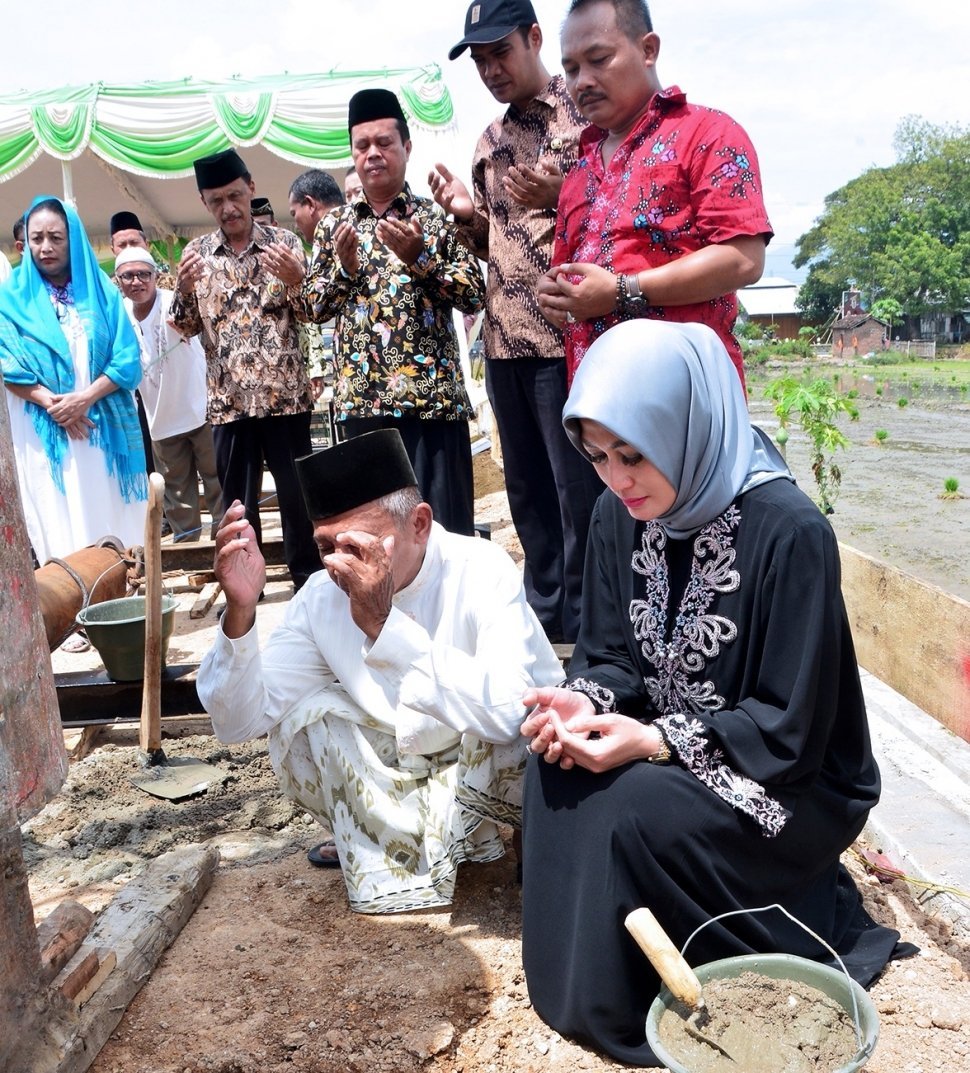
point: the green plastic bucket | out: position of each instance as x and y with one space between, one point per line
831 982
116 628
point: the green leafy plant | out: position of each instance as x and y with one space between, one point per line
951 489
902 402
879 391
817 405
881 436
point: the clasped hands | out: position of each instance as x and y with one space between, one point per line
561 722
571 292
70 412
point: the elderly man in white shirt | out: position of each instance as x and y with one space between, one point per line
173 391
392 692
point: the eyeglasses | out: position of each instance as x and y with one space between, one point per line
130 277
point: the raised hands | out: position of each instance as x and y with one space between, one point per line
451 193
360 564
240 569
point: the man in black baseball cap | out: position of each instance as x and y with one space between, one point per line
508 218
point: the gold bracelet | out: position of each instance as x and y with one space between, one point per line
662 755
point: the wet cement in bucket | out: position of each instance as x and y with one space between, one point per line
767 1025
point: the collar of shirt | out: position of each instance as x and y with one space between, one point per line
259 239
666 100
404 203
548 97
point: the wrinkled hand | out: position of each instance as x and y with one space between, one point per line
347 247
548 704
79 429
404 238
451 193
583 291
191 269
240 569
69 408
534 188
280 261
360 564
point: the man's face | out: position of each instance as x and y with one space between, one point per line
121 240
137 282
406 555
306 212
267 219
510 67
610 77
229 206
380 158
352 184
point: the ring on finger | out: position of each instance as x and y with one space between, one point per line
570 319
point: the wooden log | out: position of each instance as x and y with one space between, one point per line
207 597
136 927
60 935
80 984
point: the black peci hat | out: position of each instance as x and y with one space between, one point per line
124 221
220 169
369 104
353 473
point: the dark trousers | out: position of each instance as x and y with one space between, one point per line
551 487
441 454
241 448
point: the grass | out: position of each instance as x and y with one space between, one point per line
949 375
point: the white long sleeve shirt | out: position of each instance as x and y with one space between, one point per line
455 656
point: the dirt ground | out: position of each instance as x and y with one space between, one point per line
274 973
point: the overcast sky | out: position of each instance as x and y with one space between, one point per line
820 86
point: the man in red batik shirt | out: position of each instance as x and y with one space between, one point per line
663 214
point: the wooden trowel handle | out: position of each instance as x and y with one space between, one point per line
665 957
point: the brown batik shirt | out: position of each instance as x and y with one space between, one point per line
247 321
396 352
516 241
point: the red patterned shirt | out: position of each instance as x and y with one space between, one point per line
686 177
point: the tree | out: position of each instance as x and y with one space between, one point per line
900 232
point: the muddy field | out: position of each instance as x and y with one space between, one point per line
273 972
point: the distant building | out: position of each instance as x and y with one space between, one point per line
859 333
770 303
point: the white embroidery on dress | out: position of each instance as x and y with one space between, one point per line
604 700
696 637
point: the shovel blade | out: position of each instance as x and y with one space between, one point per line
177 777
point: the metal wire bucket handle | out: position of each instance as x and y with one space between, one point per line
764 909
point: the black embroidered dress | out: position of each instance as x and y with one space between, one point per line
736 643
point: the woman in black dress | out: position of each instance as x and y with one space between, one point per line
709 751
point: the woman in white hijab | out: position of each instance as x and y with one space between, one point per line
709 751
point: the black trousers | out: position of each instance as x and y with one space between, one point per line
551 487
441 454
241 449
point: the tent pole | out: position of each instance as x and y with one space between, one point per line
67 178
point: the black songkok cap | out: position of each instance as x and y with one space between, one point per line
353 473
124 221
260 206
220 169
488 21
369 104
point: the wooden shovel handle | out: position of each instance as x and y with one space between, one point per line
665 957
150 737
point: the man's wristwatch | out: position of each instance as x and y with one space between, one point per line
630 299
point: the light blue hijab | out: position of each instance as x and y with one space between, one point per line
34 350
672 392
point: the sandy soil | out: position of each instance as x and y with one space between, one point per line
274 973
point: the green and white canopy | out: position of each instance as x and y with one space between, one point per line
110 148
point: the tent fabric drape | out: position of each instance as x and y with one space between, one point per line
159 128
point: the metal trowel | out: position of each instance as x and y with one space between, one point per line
182 776
673 969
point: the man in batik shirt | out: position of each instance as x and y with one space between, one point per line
663 215
509 221
238 289
391 270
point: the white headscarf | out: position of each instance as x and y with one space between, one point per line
671 391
